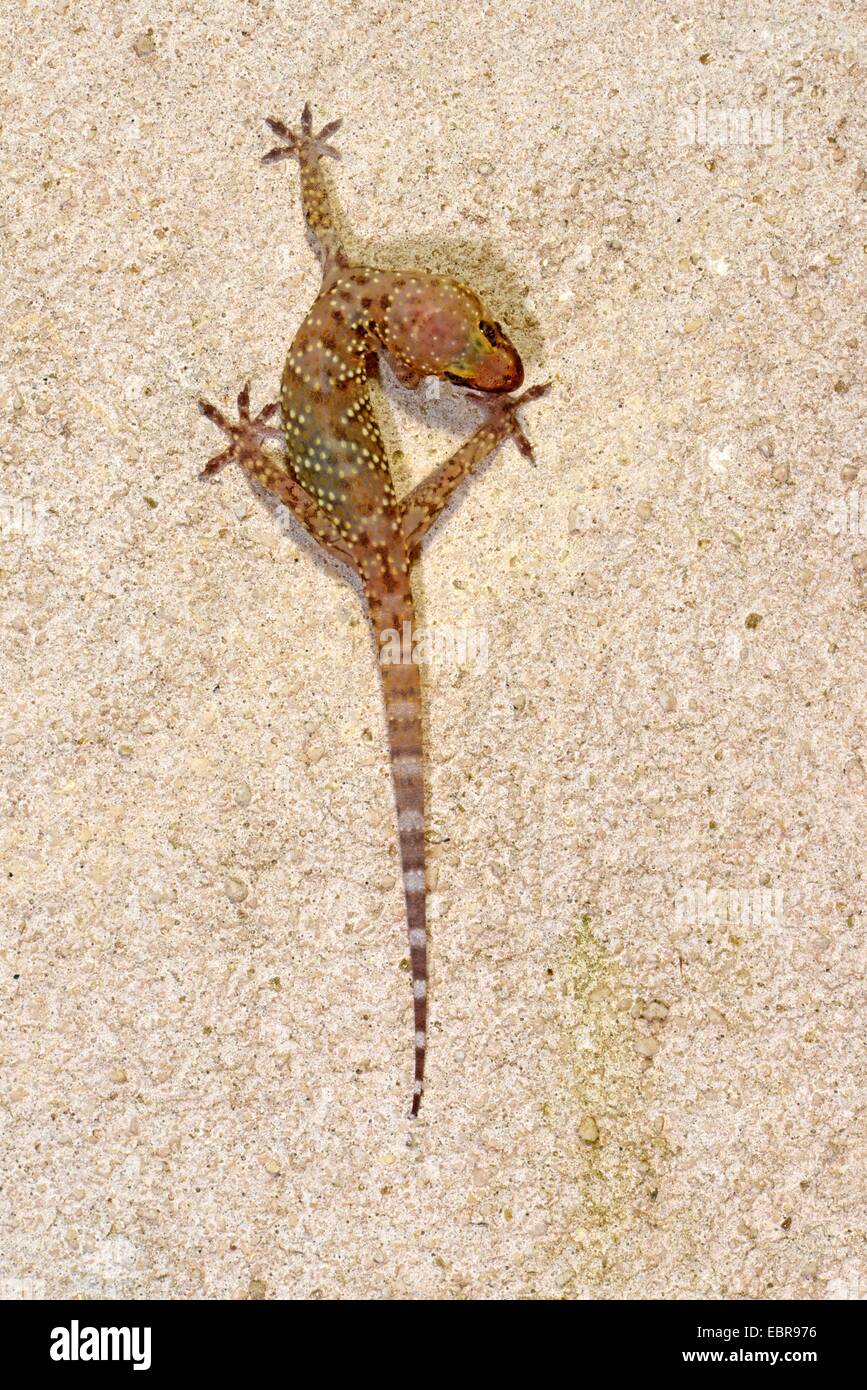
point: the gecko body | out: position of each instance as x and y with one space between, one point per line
334 475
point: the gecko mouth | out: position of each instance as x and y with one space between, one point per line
472 385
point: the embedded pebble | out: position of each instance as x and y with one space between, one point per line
145 45
647 1047
236 891
655 1010
588 1130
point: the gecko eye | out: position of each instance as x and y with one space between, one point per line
490 332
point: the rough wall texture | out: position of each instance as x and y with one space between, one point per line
646 786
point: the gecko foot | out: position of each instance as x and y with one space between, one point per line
245 436
501 411
296 141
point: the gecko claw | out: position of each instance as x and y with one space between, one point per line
329 129
295 141
284 151
212 413
216 463
245 436
502 412
279 128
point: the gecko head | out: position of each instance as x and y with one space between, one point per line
438 327
489 361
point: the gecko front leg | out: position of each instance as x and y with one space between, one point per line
423 505
318 212
246 447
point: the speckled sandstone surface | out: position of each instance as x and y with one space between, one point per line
647 786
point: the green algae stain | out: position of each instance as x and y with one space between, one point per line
609 1145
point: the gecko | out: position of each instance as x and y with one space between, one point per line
331 469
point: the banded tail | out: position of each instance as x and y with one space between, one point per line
401 690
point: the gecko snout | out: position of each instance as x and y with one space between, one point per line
494 364
502 370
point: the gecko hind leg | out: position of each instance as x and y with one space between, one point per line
310 149
423 505
246 438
